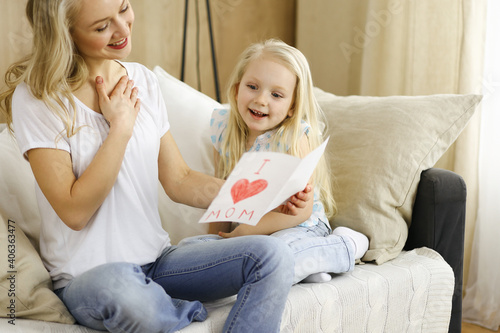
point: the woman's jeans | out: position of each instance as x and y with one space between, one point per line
164 296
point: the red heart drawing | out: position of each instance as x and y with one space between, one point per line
243 189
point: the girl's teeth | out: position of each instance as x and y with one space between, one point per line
257 113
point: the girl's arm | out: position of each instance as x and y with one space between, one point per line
76 200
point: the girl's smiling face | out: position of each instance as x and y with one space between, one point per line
265 95
102 29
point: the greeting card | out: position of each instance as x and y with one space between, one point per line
260 182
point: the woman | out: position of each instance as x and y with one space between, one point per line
96 134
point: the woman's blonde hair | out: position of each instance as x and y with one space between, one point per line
54 68
288 132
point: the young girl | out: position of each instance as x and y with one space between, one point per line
96 134
272 108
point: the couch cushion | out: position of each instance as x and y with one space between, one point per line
17 189
378 148
25 285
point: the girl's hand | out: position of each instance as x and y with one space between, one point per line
121 107
297 202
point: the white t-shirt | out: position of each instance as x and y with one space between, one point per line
127 226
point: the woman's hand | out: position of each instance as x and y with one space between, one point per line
121 107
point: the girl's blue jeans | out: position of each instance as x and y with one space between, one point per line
314 249
164 296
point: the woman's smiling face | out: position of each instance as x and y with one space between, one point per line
103 28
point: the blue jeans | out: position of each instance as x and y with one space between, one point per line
164 296
316 250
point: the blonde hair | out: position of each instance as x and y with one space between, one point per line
54 68
287 135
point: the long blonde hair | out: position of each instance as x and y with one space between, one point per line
54 68
286 138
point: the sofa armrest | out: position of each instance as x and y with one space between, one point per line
438 222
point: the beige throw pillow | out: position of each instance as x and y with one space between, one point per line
378 148
25 285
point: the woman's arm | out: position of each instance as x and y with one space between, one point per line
215 227
76 200
181 183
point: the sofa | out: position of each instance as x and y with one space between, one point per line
381 151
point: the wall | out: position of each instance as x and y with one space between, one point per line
158 34
14 35
236 23
402 47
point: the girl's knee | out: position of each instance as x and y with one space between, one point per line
272 252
